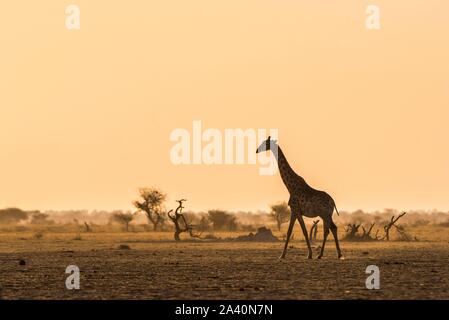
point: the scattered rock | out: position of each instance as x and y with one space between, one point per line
124 247
22 262
39 235
365 252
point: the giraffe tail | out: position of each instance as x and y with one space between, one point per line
335 206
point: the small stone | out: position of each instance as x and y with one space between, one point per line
22 262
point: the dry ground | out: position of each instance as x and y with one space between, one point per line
155 267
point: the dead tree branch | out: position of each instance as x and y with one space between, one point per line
180 222
313 230
366 233
392 222
351 231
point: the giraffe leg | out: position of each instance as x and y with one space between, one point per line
325 234
304 230
289 233
333 228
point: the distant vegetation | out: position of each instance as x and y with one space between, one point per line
123 218
152 215
12 215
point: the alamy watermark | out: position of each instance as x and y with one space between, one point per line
72 19
373 280
372 21
212 146
73 280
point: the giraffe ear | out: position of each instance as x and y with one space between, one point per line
269 138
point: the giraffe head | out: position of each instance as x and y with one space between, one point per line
267 145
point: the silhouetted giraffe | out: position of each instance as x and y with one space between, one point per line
304 200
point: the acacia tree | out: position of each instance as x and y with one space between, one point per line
150 203
38 217
222 220
280 212
123 218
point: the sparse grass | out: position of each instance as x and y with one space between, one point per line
78 237
13 241
222 270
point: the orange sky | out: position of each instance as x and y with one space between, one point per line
85 116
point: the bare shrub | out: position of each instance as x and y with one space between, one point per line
351 231
353 234
390 224
313 230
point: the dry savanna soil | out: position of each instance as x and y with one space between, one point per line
152 266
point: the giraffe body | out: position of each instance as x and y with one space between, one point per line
304 201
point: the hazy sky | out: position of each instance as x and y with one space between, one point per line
85 115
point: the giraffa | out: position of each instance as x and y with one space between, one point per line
304 201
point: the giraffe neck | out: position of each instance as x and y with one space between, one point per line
289 177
